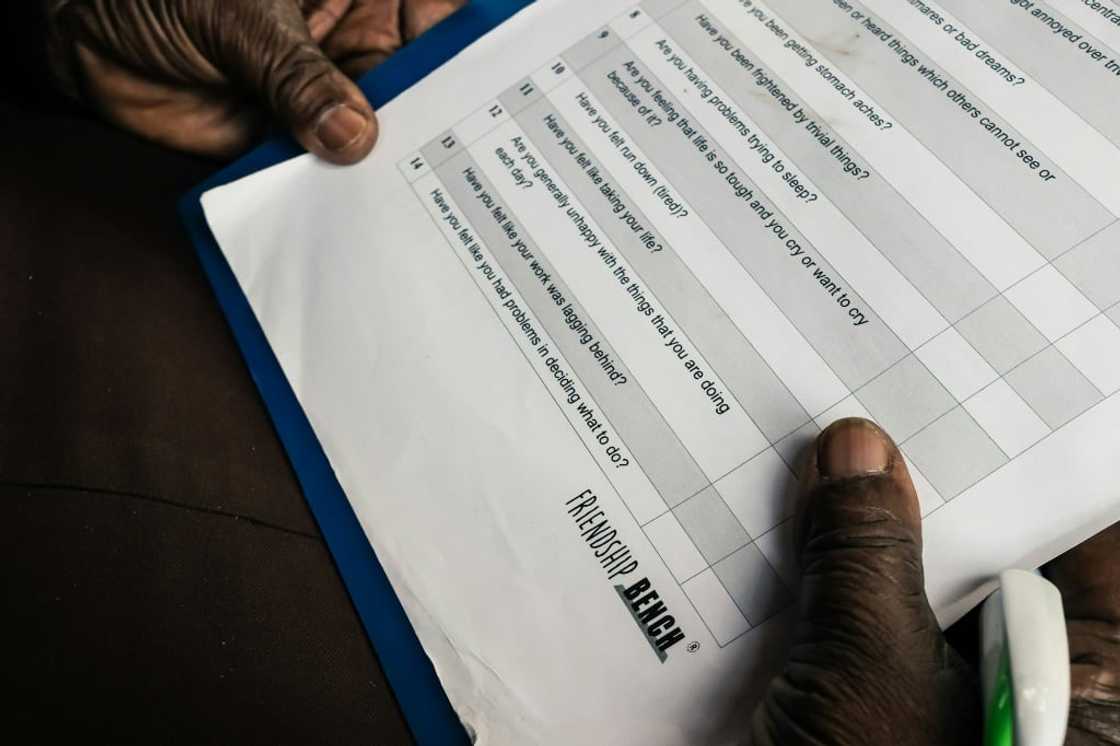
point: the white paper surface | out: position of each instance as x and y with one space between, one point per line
609 270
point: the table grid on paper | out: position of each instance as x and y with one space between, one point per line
613 166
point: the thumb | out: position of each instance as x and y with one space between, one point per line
868 663
324 110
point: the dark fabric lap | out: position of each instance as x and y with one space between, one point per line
164 579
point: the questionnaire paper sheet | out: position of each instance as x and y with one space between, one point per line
564 334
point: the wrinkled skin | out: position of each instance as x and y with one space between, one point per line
1089 578
209 76
869 665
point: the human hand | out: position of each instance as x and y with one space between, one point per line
207 76
869 665
1089 578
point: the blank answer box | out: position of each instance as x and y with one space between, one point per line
658 8
850 407
761 493
716 608
711 525
957 364
793 447
752 582
929 499
906 398
1095 350
675 548
1094 267
779 546
1051 303
1013 425
1053 387
954 453
1000 333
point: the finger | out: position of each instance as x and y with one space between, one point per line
324 110
868 663
1088 577
323 16
368 34
860 541
210 124
850 452
420 15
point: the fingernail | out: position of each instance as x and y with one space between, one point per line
853 448
340 127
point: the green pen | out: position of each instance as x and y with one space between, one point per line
1025 666
999 721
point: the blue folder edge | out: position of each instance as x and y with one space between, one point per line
407 667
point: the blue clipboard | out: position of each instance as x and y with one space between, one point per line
406 666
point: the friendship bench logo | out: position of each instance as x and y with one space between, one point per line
644 604
654 619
